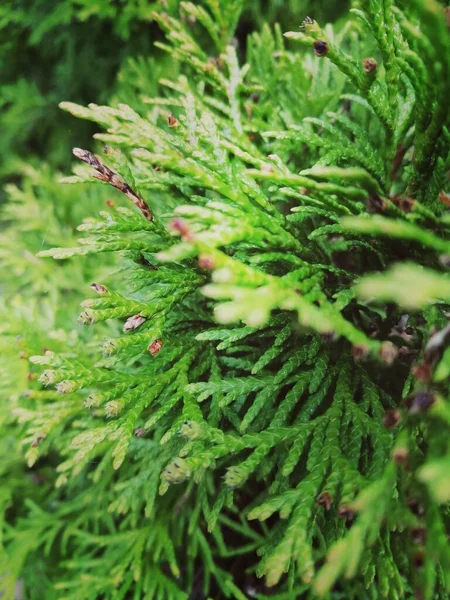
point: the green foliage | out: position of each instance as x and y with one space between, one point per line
266 394
72 50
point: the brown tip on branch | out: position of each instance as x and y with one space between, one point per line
100 289
206 262
360 351
104 173
423 371
420 402
444 198
155 347
134 322
180 226
369 65
388 352
392 418
376 204
172 121
324 500
404 203
37 440
85 156
345 512
400 456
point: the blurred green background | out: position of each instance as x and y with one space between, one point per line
80 50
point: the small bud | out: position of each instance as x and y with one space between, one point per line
134 322
324 500
205 262
345 512
191 430
66 387
400 456
388 352
180 226
444 198
87 317
423 371
235 477
392 418
94 400
172 121
110 203
360 351
320 48
140 432
23 354
109 347
100 289
376 204
113 408
420 402
176 472
328 336
155 347
47 377
404 203
369 65
37 440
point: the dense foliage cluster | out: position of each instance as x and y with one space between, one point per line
261 406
